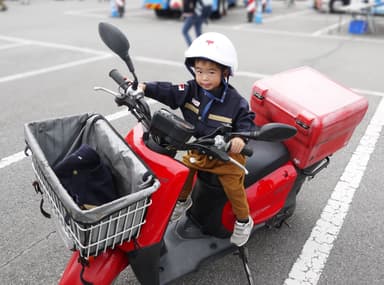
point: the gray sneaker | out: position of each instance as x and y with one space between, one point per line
180 208
241 232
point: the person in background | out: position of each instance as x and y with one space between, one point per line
191 19
3 7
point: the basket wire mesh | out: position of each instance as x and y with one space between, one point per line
93 239
95 230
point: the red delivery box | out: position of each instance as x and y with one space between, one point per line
324 112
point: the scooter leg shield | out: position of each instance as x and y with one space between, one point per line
145 263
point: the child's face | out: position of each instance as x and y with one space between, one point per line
208 74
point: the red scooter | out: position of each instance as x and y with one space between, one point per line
155 248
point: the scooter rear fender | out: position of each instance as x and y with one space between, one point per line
266 197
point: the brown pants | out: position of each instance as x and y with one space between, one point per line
230 176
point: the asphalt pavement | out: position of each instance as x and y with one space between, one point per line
51 57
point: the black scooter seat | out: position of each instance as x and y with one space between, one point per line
267 157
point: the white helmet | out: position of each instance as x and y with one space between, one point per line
215 47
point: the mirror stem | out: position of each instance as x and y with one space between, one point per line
135 81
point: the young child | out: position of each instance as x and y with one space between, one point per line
207 102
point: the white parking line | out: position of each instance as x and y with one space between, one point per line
20 42
329 28
368 92
310 264
52 45
274 18
4 162
52 68
92 13
159 61
9 46
287 16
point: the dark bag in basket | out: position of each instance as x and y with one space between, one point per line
86 178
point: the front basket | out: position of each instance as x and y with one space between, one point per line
91 231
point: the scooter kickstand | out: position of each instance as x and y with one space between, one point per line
243 254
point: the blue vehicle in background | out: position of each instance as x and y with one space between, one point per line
173 8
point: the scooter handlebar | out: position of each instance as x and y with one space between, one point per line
119 79
247 151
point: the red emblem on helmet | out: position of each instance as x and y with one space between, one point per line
209 42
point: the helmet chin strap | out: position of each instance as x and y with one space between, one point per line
213 98
190 69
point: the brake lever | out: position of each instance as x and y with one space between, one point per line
222 155
218 149
238 164
98 88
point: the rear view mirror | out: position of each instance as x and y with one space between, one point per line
276 132
117 42
114 39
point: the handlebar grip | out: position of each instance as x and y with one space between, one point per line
118 78
247 151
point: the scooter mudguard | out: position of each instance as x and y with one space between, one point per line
265 198
101 270
270 180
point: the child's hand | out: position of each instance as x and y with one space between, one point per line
237 145
142 86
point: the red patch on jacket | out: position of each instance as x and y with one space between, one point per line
181 87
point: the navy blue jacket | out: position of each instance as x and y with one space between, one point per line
190 98
189 6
